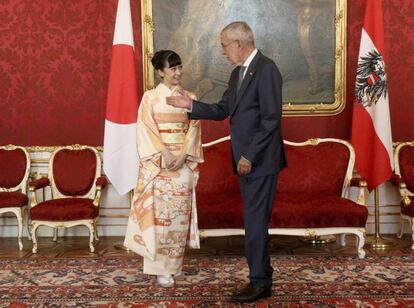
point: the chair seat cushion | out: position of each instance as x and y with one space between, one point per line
316 211
408 210
13 199
64 209
219 211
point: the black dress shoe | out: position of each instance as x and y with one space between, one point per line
252 292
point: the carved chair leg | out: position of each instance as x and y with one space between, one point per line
55 234
412 232
19 228
27 215
96 231
34 239
402 221
360 245
91 235
341 239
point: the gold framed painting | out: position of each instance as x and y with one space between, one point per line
305 38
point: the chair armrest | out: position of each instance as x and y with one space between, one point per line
358 182
35 185
102 181
362 184
39 183
397 181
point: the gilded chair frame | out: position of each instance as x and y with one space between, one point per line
94 193
21 187
313 232
404 192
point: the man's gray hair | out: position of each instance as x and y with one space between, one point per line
239 30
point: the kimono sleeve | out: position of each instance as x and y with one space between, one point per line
192 143
149 141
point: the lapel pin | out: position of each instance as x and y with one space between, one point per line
250 73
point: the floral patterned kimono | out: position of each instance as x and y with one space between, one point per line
163 217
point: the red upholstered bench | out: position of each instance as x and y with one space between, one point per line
310 199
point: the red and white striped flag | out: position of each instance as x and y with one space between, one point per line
120 152
371 124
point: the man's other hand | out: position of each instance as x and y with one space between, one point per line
244 166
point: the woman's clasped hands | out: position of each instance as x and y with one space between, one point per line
173 162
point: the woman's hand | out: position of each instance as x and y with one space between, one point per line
169 158
179 162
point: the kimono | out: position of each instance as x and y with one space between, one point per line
163 216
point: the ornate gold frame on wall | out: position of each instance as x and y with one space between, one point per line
289 109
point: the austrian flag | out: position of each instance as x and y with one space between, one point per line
120 152
371 125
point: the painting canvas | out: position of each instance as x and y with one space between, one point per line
304 38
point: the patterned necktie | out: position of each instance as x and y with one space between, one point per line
241 72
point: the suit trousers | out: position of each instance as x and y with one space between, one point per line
258 194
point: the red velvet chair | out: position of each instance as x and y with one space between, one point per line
14 172
311 199
403 178
76 184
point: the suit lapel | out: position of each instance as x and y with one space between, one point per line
246 81
233 88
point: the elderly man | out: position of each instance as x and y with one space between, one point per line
253 101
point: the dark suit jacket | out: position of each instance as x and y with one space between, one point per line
255 116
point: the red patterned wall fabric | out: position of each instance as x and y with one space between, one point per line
54 64
55 57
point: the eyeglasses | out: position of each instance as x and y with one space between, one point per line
228 44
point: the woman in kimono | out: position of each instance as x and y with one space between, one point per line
163 217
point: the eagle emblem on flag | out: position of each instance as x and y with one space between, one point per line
371 80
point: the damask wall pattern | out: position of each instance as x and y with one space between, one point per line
55 58
54 62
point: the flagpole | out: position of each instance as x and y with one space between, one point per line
377 242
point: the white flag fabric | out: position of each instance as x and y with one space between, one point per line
120 156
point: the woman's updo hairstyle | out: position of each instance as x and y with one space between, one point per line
161 58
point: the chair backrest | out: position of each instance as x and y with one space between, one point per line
216 173
322 166
14 168
404 163
73 171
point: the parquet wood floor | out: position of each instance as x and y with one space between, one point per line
110 246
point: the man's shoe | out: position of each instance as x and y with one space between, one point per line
252 292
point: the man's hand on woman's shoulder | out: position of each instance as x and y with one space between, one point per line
182 100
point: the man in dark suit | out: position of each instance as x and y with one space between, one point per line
253 101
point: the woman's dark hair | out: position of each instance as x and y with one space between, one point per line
162 57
